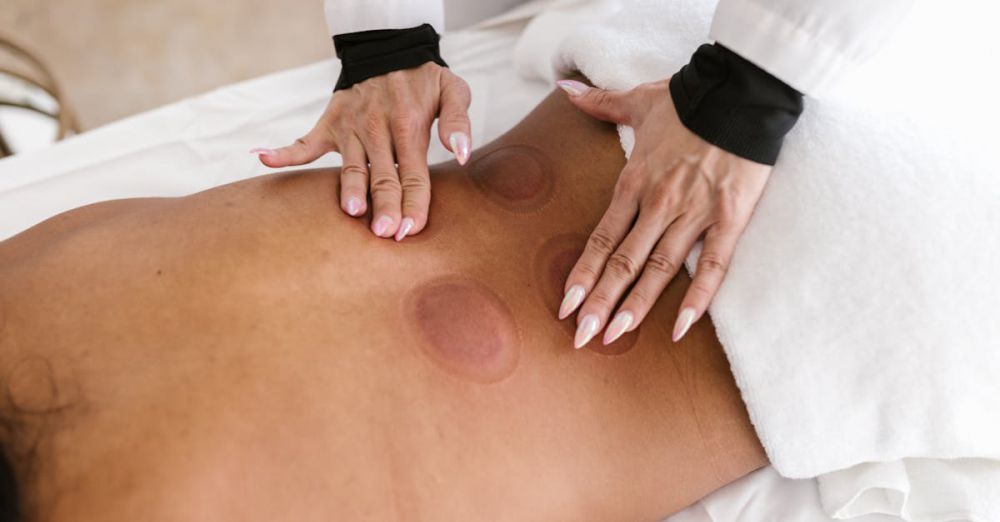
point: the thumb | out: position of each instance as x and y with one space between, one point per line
609 106
305 150
454 129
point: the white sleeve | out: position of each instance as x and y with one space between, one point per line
349 16
808 44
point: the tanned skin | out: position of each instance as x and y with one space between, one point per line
251 353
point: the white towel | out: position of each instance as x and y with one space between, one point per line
861 315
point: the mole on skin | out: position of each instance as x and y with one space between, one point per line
516 177
553 263
467 328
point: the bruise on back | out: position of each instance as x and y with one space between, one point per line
465 328
516 177
552 265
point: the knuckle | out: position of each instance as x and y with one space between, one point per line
587 270
700 292
385 186
353 169
661 264
629 183
622 266
712 262
662 196
454 119
601 97
415 183
601 299
728 212
641 300
600 242
404 125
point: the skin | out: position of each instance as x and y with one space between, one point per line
675 189
231 356
381 128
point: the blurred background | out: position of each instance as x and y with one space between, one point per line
114 58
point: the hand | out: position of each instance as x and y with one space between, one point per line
675 188
378 124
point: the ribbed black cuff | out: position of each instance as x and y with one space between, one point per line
366 54
735 105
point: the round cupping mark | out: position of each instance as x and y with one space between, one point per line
516 177
465 328
553 263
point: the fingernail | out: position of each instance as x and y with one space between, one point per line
684 320
573 87
586 331
618 326
353 205
404 228
572 299
459 142
381 225
262 152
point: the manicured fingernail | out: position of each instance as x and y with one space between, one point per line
684 320
353 205
262 152
381 225
618 326
459 142
573 87
404 228
572 299
586 331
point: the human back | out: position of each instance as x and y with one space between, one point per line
251 353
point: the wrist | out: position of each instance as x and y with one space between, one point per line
367 54
733 104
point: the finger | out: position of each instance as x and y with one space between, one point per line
454 128
660 268
610 106
713 263
621 270
603 242
305 149
411 140
384 182
354 178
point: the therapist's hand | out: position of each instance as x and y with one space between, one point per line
675 189
381 128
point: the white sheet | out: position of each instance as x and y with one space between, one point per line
203 141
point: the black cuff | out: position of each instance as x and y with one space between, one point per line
366 54
733 104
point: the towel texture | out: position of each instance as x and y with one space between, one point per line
861 315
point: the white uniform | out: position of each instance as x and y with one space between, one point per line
808 44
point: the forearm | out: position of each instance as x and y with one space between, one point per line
351 16
745 92
808 45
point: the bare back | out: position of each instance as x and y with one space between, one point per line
251 353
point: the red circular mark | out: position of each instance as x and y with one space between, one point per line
467 328
553 263
516 177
